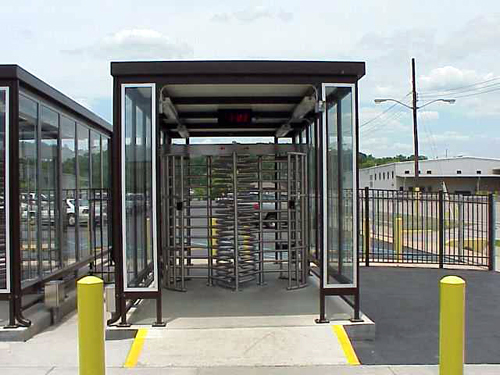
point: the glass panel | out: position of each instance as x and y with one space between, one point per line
4 263
49 199
68 182
28 119
96 192
138 182
340 178
106 208
312 191
82 203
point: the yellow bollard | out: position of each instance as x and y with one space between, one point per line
452 326
398 238
91 326
213 241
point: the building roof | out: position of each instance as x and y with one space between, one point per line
263 93
238 67
15 72
429 176
411 162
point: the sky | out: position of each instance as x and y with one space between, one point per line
69 44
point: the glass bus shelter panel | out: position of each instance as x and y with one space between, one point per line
28 186
340 259
4 196
49 207
139 194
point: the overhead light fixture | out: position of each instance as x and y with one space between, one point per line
168 109
283 130
306 105
182 130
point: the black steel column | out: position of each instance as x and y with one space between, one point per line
441 229
491 231
366 223
15 215
115 145
157 148
320 152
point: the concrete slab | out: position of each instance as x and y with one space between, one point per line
271 305
26 370
41 318
256 346
285 370
57 346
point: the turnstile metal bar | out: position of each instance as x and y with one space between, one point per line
249 230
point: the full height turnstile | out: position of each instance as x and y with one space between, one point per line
235 218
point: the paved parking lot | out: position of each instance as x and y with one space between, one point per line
404 302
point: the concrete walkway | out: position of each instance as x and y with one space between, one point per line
337 370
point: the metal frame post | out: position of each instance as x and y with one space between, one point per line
236 242
491 232
367 225
441 229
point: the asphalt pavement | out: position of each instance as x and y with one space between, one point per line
404 303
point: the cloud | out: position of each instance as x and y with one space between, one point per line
136 44
479 35
450 77
384 146
253 14
447 136
428 115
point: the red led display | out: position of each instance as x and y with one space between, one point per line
235 117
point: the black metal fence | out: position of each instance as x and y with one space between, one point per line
426 228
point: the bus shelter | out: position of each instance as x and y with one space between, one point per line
54 192
235 172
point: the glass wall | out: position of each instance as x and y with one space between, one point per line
28 187
138 129
68 182
96 190
62 181
105 208
340 173
312 176
4 199
82 203
48 199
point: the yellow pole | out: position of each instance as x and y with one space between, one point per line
398 238
452 326
213 241
91 326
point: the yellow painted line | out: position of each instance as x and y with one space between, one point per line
136 349
345 343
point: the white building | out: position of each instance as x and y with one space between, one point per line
466 174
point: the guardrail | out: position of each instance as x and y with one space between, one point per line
426 228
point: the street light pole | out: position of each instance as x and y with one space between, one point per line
415 130
414 108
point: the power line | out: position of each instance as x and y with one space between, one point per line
396 116
450 91
384 112
494 85
478 93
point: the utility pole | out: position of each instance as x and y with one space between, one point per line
414 110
